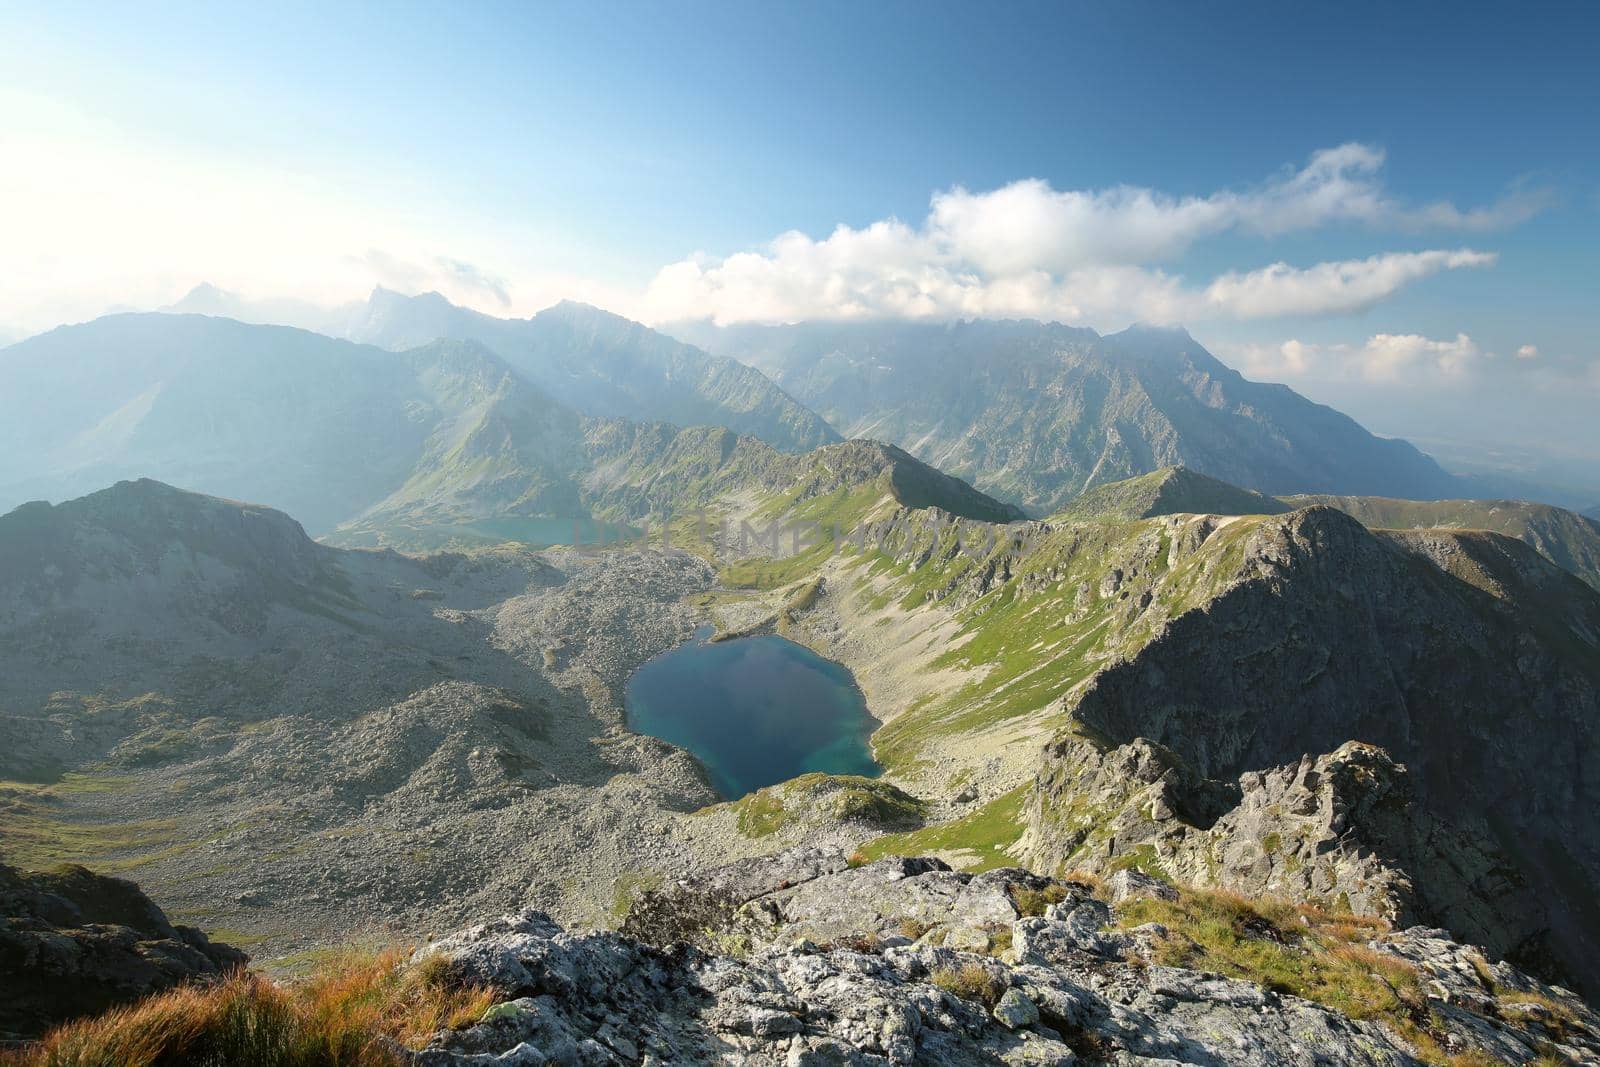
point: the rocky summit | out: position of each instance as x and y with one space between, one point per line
801 958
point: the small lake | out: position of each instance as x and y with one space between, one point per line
754 711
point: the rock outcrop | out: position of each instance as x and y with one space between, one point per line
906 962
75 943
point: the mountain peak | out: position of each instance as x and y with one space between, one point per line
1155 329
1174 490
912 482
205 291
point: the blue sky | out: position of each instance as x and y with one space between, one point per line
579 149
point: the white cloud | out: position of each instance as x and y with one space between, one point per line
876 273
1027 225
1528 352
1348 285
1079 255
1383 358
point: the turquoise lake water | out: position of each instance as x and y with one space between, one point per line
754 710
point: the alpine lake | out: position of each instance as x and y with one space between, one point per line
754 710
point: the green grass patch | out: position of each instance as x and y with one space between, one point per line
979 840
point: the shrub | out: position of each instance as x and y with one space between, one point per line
868 944
913 928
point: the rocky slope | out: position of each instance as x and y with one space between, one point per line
805 960
1037 413
288 739
604 365
73 943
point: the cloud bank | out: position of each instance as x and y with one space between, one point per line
1091 256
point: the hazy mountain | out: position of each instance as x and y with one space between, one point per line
500 448
319 426
324 428
443 443
1594 512
604 365
1038 412
207 299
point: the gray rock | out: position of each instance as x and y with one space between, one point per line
1015 1010
1128 884
603 998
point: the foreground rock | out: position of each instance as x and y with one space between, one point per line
804 960
75 943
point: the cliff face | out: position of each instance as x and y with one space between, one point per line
1464 657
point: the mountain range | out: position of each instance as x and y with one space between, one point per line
1039 413
1034 413
1565 538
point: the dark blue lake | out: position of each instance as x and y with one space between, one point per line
754 710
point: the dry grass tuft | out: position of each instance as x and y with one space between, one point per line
354 1012
971 981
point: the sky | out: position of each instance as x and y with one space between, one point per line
1393 208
